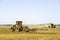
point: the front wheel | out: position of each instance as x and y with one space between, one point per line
13 29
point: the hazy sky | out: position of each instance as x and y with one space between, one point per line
30 11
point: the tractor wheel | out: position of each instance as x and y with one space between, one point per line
13 29
20 29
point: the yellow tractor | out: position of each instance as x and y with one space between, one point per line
18 27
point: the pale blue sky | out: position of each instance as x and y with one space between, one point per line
30 11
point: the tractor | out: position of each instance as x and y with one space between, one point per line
19 27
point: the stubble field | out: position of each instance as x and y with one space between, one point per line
52 34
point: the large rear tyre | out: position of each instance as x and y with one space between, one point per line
20 29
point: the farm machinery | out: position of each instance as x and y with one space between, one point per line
19 27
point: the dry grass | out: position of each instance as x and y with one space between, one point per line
30 37
52 34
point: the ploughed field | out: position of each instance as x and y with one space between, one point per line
50 34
